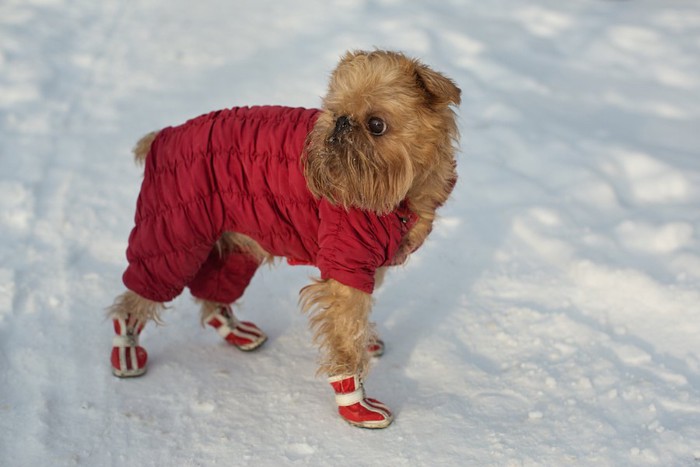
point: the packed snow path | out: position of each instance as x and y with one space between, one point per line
552 318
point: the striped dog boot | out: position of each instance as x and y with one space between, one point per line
357 409
243 335
128 358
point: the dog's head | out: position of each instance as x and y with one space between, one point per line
386 126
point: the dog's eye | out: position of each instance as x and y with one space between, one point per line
376 126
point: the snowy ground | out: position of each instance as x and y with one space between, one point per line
553 318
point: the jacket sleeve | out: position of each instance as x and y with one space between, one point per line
353 244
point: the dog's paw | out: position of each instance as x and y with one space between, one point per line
243 335
355 408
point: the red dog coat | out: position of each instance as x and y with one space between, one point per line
239 170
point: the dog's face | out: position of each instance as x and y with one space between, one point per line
386 124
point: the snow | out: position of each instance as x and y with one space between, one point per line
552 318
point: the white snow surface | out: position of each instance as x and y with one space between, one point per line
552 318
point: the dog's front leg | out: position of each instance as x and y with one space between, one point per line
339 317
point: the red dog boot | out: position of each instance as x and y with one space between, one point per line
128 358
376 348
355 408
243 335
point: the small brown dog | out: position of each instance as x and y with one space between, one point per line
351 188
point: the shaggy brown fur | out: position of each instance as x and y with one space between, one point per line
407 154
414 159
339 316
139 309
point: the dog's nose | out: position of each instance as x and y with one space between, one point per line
342 125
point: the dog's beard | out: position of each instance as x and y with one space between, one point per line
347 169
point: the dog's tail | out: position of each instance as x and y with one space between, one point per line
143 146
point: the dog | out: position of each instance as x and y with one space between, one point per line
351 188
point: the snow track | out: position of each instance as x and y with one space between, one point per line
552 318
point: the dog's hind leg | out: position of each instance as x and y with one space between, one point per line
339 316
129 313
221 280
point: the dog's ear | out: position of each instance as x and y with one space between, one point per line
441 90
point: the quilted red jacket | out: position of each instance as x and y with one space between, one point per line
239 170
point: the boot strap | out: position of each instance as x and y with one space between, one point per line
350 398
125 341
231 325
228 323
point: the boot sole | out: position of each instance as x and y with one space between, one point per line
371 425
252 346
128 373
